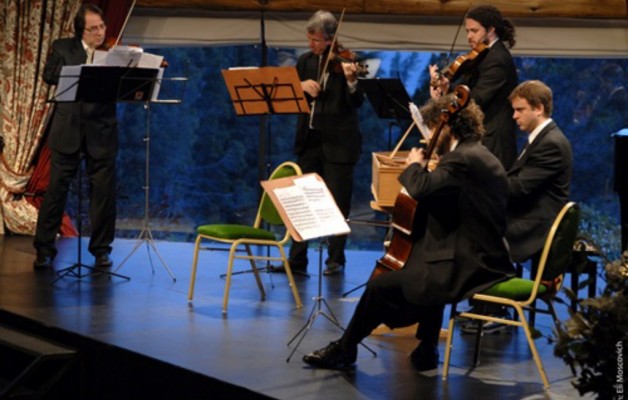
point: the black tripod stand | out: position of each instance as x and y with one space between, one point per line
317 309
76 270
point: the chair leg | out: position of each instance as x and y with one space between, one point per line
225 299
255 272
478 342
535 353
293 286
449 344
194 265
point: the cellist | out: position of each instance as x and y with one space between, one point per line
457 248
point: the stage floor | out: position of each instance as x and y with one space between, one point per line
150 315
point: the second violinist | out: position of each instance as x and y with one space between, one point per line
328 140
491 81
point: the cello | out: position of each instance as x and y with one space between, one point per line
405 208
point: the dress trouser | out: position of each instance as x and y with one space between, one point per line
339 179
383 302
102 202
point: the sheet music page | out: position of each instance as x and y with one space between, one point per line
418 120
68 83
311 208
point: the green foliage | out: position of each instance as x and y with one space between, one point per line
593 339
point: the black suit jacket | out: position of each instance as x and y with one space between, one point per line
336 115
459 248
100 128
491 83
538 187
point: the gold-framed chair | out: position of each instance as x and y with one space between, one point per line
247 236
521 293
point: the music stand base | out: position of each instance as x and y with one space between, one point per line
75 271
317 310
146 236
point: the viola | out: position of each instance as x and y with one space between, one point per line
405 208
462 64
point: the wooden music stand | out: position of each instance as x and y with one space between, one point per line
265 90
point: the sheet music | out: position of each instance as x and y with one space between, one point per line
311 208
418 120
68 83
127 56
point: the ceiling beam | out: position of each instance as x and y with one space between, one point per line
613 9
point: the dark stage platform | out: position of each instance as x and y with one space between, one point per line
141 338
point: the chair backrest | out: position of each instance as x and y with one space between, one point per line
267 211
558 248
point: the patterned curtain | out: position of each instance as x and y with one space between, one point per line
29 28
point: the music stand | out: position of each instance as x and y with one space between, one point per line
389 100
265 91
146 235
309 211
99 84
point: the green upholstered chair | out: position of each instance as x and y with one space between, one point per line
521 293
247 236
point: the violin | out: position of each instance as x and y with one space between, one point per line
339 55
405 208
461 64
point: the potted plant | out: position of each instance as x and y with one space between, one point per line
594 339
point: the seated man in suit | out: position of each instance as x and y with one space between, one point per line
457 249
538 182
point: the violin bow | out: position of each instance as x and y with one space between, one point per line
128 15
331 46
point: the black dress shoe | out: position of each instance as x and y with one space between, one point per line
332 357
297 270
333 269
424 357
42 262
103 261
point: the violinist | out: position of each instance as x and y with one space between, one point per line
328 140
457 250
491 80
88 129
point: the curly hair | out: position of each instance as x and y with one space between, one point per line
489 16
465 124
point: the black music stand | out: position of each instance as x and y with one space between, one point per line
100 84
389 100
146 234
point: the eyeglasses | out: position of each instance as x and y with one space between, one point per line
94 29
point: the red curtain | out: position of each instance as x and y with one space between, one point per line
116 12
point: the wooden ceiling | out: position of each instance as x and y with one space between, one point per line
612 9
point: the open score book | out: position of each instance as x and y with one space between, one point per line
306 206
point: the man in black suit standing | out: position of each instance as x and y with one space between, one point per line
492 80
327 140
88 129
458 247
